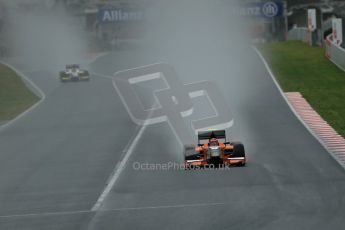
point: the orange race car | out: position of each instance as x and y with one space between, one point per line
215 151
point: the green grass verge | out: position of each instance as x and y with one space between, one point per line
305 69
15 97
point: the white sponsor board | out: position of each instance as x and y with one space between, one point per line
312 20
337 31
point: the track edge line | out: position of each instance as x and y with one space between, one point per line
32 107
293 109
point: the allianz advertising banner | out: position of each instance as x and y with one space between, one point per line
120 15
268 9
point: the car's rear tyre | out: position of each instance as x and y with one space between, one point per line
188 154
239 151
188 150
63 75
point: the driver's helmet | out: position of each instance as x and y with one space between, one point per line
214 142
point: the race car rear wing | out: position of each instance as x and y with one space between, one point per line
219 134
72 66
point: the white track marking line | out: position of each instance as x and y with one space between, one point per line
118 170
44 214
129 149
39 91
294 111
112 210
166 207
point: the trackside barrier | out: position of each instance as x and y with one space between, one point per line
303 34
335 53
299 33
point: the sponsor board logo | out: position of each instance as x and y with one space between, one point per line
270 9
119 15
267 9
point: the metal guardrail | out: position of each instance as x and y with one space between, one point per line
299 33
335 53
302 34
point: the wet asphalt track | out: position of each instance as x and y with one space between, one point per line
54 162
